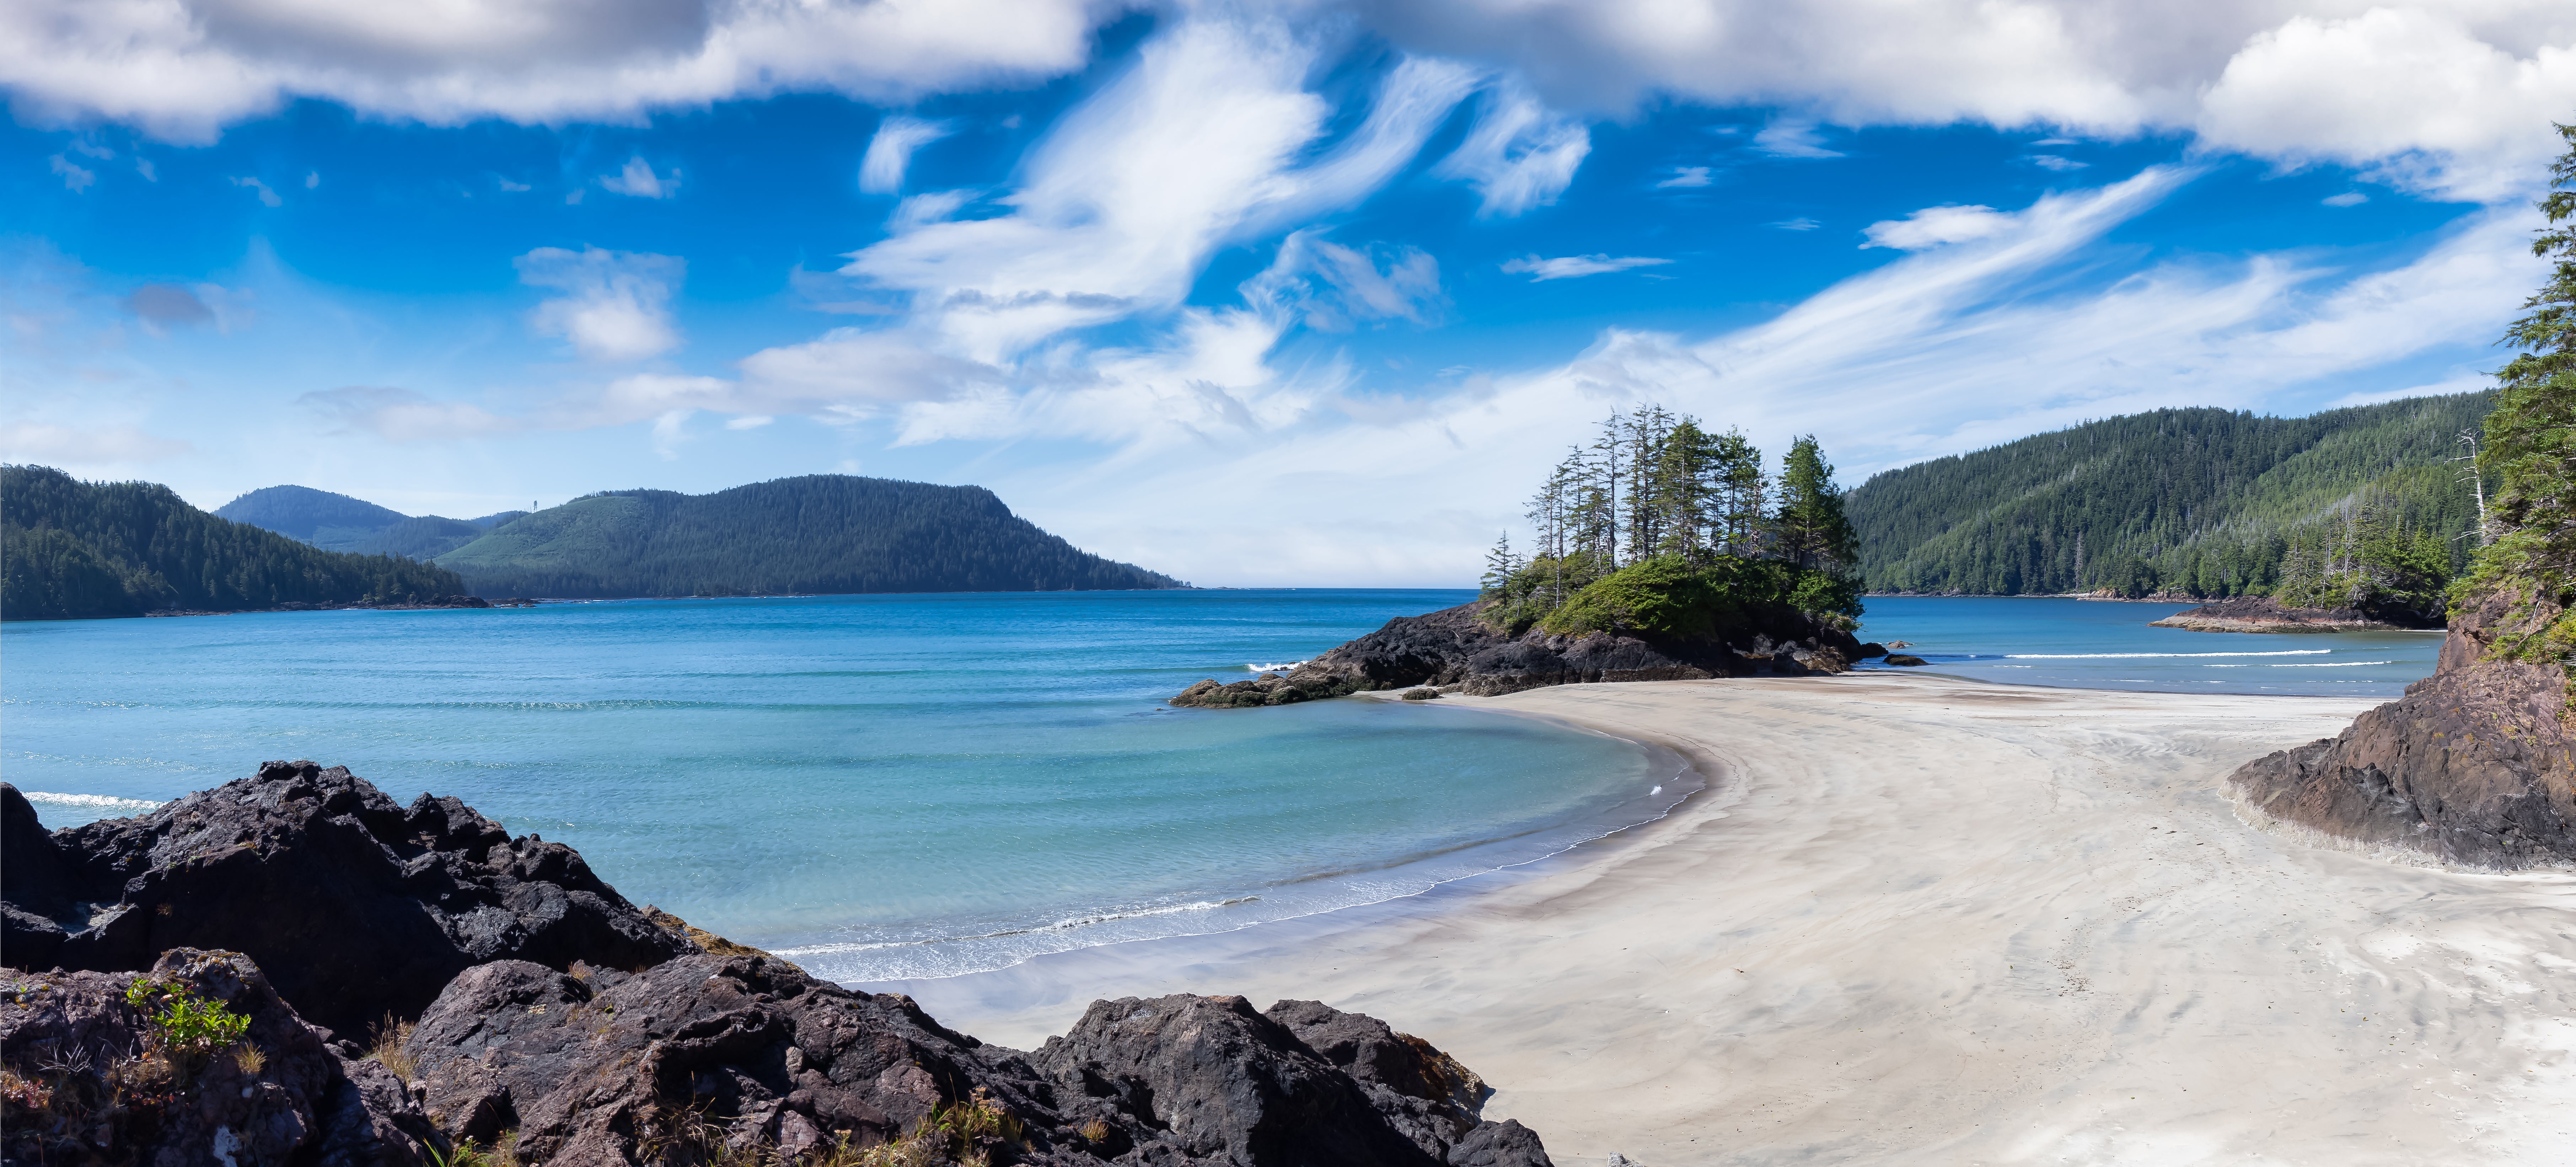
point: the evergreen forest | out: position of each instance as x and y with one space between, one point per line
337 522
71 549
2374 507
818 534
1665 527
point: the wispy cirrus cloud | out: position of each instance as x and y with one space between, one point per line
890 151
1566 267
615 306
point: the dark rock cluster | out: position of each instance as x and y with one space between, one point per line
2472 764
525 1004
1455 651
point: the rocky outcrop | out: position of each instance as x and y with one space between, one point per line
355 904
600 1034
2472 764
2263 614
747 1051
1455 651
93 1080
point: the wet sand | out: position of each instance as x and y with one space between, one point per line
1920 920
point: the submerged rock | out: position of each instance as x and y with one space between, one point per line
2471 765
1454 651
356 905
1906 660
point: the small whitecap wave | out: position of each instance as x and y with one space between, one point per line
98 801
2135 655
1065 925
1289 667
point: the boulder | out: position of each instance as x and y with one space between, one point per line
1904 660
1872 650
358 905
99 1083
2472 764
744 1052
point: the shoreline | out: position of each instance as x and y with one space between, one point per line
1916 918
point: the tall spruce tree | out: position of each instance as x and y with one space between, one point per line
1810 527
1741 504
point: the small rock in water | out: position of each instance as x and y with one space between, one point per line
1902 660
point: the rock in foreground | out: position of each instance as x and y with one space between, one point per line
356 905
1455 651
2263 614
612 1036
2471 765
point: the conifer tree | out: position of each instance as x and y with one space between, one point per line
1810 527
1740 504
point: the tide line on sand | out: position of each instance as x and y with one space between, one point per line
1922 919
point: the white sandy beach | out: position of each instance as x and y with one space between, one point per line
1925 921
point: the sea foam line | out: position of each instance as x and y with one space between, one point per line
2134 655
1058 926
1289 667
49 798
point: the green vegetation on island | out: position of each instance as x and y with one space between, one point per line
2371 506
1663 527
76 549
2531 451
818 534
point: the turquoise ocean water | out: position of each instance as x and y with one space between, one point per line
905 786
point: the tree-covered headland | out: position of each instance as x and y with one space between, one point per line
1665 527
2530 452
71 550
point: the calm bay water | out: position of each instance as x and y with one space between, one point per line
882 786
906 786
2102 644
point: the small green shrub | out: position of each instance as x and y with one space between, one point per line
188 1028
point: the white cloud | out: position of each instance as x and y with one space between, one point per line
2056 162
1519 154
182 69
1571 266
92 150
616 304
2350 198
749 422
1209 140
928 207
144 167
639 180
669 430
76 178
1334 288
402 415
1684 176
508 185
54 445
2414 94
890 152
1934 226
1793 139
266 195
1797 224
312 179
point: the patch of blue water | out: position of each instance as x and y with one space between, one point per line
880 786
2102 644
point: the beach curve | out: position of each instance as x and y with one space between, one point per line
1919 919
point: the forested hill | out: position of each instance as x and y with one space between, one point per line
337 522
824 533
2201 501
71 549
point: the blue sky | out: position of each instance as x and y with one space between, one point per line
1303 293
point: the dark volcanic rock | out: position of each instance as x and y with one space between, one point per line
2472 764
1906 660
98 1092
357 905
591 1070
1453 650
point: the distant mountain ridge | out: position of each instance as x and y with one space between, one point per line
337 522
2210 502
821 534
71 550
